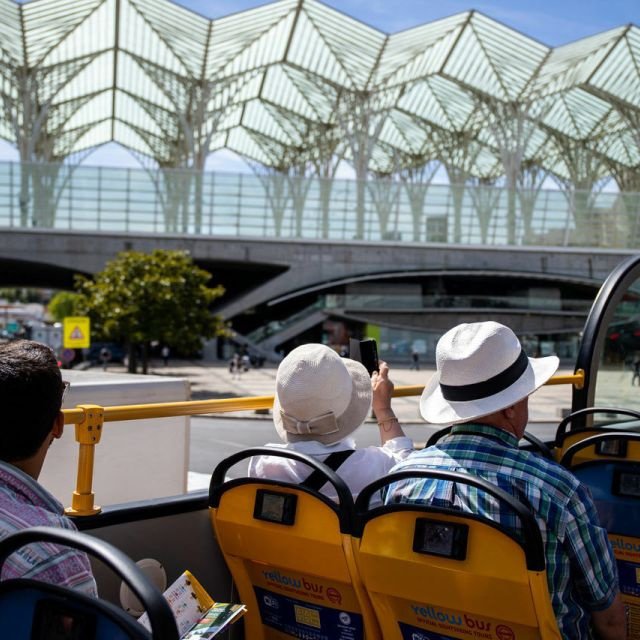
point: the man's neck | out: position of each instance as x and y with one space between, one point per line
31 466
499 421
481 423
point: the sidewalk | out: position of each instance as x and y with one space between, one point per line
213 380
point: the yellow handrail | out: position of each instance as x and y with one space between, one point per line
576 379
171 409
89 419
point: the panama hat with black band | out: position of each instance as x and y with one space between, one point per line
481 369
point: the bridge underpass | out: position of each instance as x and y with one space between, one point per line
265 276
293 264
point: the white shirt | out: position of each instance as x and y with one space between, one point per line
360 469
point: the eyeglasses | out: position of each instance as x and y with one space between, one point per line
66 386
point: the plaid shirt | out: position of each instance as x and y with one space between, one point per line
24 503
581 569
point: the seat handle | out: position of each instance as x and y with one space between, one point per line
344 507
163 623
571 451
581 413
533 545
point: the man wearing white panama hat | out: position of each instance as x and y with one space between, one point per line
320 400
481 386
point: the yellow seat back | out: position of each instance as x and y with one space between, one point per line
435 573
603 447
609 464
583 417
289 551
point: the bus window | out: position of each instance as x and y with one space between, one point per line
618 379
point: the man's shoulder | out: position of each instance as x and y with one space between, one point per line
422 457
548 469
525 465
17 514
23 501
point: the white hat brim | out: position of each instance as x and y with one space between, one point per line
350 419
436 409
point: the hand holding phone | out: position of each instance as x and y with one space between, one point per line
369 355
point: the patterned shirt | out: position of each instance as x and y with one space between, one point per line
24 503
581 570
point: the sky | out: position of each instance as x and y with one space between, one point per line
552 22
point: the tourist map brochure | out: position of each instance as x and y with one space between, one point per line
197 615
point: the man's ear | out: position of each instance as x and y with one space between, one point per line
58 425
509 412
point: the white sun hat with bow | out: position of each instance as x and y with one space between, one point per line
319 395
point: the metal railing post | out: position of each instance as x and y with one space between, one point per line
11 196
212 197
239 206
88 432
128 200
99 203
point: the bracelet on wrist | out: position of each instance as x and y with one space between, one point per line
383 422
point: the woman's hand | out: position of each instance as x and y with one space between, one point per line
382 392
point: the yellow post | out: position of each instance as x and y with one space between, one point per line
88 432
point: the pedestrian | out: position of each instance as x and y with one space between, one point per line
636 370
165 354
105 357
235 366
415 360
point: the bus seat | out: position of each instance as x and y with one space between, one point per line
609 464
444 573
289 551
34 610
582 425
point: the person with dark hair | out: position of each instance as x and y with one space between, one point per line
31 395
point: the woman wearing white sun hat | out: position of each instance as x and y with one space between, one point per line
320 400
482 387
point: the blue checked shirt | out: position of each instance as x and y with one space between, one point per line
581 569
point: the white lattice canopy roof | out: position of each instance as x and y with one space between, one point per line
295 78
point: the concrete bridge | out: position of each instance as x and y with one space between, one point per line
258 270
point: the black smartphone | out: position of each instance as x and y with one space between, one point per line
369 355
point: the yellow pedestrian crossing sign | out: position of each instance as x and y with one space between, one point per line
76 332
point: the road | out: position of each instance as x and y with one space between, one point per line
213 439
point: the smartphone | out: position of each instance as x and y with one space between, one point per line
369 355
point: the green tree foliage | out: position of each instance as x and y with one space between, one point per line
140 298
66 303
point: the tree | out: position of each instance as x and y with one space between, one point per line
66 303
139 298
